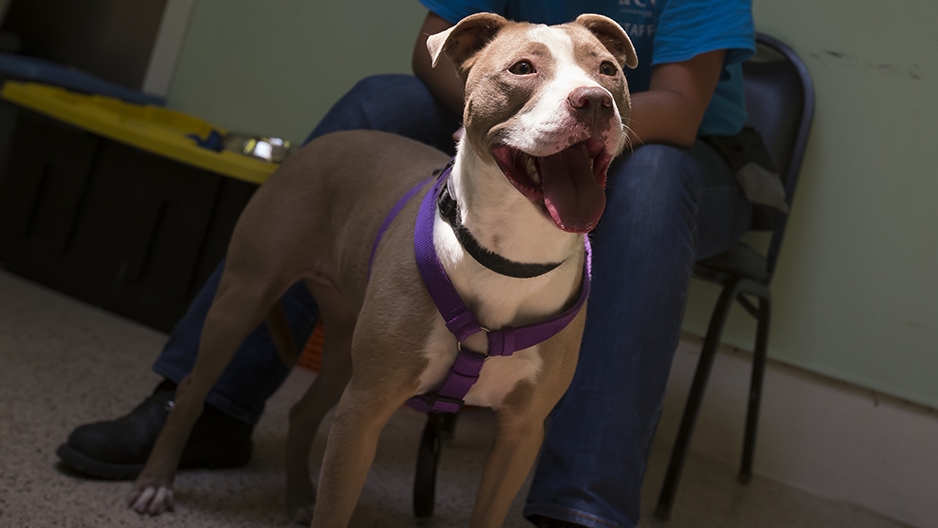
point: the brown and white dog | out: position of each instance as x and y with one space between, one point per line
545 114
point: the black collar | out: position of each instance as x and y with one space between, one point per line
487 258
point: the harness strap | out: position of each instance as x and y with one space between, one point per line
462 323
457 316
396 210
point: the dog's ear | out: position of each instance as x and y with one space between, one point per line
612 36
462 41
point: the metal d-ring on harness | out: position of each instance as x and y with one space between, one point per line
459 319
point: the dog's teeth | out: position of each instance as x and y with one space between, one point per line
532 170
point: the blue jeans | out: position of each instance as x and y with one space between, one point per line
666 208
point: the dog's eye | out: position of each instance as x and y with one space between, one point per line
608 68
522 67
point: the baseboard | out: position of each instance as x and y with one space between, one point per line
824 436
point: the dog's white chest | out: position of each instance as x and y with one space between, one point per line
499 301
498 377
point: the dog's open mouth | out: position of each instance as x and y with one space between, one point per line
569 184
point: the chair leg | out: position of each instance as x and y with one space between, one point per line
439 428
448 426
755 389
692 407
428 456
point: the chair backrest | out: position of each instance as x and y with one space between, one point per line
780 102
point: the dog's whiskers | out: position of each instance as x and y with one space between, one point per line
628 136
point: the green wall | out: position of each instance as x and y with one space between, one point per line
856 288
276 67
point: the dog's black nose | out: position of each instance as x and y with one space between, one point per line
590 98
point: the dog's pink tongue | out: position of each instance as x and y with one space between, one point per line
574 199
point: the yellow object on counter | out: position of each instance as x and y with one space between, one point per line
151 128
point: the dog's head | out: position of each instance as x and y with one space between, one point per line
547 104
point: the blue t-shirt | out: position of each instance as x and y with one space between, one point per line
662 31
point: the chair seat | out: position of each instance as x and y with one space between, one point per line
740 259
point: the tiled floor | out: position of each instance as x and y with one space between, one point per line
63 363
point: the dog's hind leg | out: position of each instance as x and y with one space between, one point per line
307 414
247 290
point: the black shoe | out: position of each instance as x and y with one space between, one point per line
118 449
544 522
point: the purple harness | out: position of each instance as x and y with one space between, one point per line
459 319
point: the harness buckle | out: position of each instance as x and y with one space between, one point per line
459 346
432 400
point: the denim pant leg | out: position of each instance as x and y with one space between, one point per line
256 369
666 208
399 104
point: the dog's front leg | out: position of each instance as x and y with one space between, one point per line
361 415
507 466
521 426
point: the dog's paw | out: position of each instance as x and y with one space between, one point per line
301 498
302 515
152 500
300 506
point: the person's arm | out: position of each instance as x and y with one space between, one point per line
443 80
674 105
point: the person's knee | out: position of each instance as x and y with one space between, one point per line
373 103
375 86
656 156
653 177
399 104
